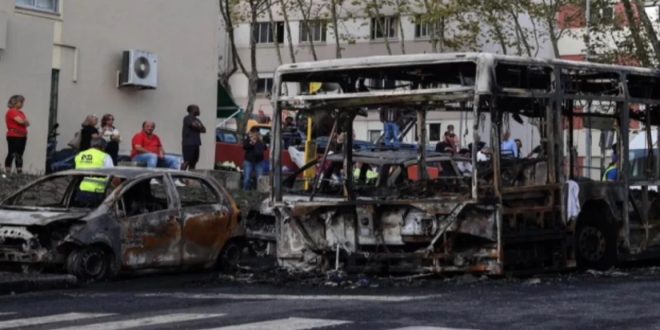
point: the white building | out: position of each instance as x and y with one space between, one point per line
359 37
65 58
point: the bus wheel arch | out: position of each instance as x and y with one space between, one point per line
596 236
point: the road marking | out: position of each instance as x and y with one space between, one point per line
292 323
143 322
430 328
30 321
288 297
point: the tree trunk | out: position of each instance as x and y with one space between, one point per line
374 4
306 21
650 31
522 36
640 48
287 25
335 23
273 25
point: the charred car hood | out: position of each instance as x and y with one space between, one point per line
35 218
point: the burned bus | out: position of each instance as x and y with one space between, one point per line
475 206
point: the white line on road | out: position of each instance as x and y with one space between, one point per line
143 322
288 297
430 328
30 321
292 323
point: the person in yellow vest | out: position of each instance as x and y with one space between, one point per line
92 189
611 172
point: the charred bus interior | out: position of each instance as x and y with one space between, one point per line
474 203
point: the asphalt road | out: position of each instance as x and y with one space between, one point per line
623 299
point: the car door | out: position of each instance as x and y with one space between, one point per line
149 223
206 224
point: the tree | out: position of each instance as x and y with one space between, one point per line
451 24
237 11
625 37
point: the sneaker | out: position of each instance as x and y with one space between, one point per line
154 181
179 183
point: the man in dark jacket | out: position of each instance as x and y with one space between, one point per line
254 157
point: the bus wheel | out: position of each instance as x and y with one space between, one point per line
595 243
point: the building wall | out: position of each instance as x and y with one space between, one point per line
98 31
25 68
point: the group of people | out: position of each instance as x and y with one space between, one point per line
98 145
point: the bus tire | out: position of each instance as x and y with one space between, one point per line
596 242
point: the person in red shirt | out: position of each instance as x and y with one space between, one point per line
147 148
17 125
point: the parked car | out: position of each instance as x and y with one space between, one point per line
145 221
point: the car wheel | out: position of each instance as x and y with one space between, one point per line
230 256
90 263
596 242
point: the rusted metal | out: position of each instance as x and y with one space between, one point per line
150 234
515 209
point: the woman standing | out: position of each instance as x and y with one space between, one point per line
111 136
17 125
88 132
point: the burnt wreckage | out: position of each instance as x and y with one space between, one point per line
144 221
480 209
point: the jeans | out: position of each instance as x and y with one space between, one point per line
391 132
152 160
248 168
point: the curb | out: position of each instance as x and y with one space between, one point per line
11 283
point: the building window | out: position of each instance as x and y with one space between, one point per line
264 86
604 14
317 28
263 32
41 5
383 27
434 132
422 29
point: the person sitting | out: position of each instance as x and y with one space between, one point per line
147 148
508 146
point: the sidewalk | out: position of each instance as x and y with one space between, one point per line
17 282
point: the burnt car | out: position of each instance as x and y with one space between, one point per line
146 219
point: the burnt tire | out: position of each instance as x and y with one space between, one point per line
596 243
230 256
90 264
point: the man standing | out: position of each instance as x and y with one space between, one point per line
448 144
254 157
92 189
190 140
390 119
148 148
508 146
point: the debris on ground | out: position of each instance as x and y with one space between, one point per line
607 273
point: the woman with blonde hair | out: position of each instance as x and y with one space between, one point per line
110 134
17 125
88 132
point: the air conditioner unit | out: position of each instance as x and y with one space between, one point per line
139 69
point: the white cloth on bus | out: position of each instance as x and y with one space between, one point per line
297 156
573 200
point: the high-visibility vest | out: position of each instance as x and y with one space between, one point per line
607 171
91 158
